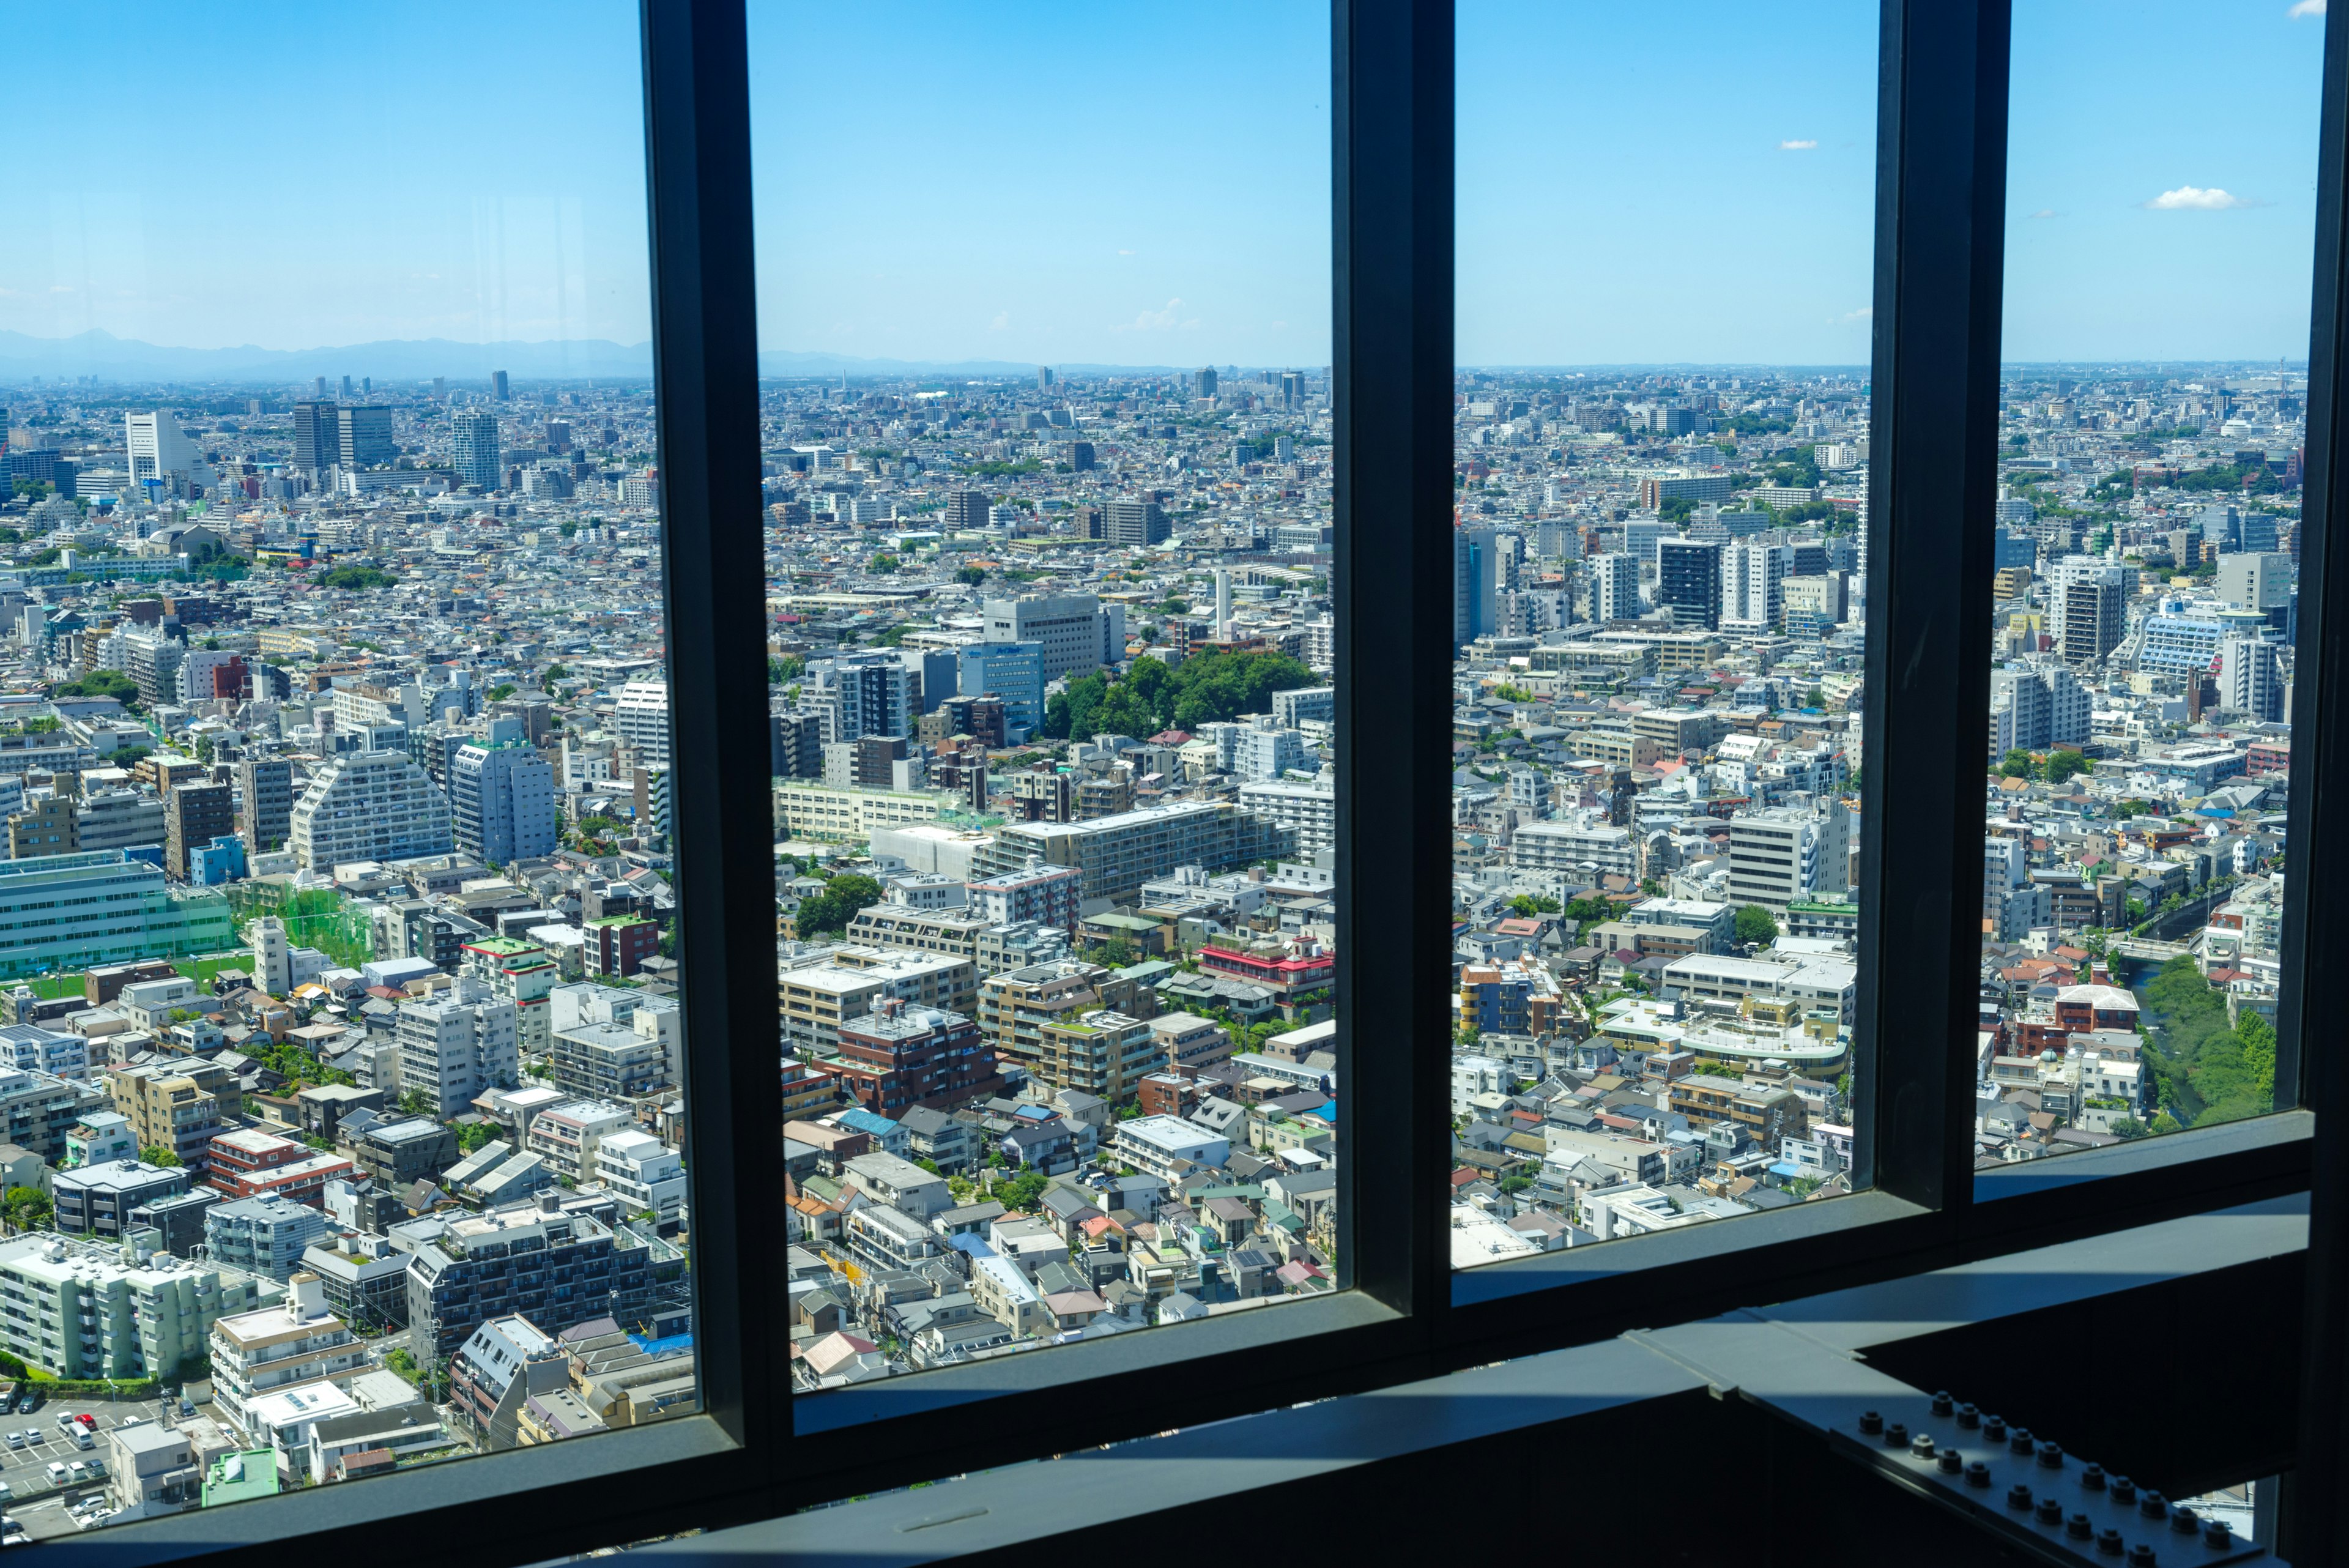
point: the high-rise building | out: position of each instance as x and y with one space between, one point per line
476 454
318 437
2091 600
2250 677
2259 581
363 436
641 716
966 509
1077 632
158 449
1614 588
1486 563
1688 580
456 1043
1043 378
501 797
1206 381
2035 704
1137 524
1753 585
497 388
866 694
194 815
265 794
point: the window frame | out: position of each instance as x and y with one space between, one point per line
1402 1313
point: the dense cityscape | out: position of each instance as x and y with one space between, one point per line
346 1126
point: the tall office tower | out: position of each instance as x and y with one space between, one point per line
158 449
439 387
265 793
558 435
966 509
1753 585
476 442
346 389
1043 378
1011 671
641 716
366 385
498 385
318 387
1688 581
1081 456
1079 633
318 437
2091 608
194 815
2250 677
363 437
1293 388
1207 381
1486 565
1137 524
1223 603
1614 588
501 797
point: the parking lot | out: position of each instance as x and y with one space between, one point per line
25 1470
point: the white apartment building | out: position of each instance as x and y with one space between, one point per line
567 1135
1309 810
296 1341
648 1175
456 1043
1614 588
1575 850
1753 585
368 806
1786 855
1078 632
641 717
158 449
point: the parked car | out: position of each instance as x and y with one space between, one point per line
56 1473
15 1439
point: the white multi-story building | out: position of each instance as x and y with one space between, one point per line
456 1043
648 1175
368 806
2035 704
1575 849
158 448
641 716
1785 855
1309 810
299 1340
1753 585
1262 752
566 1136
2250 677
1614 588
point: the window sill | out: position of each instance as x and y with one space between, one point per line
2283 1137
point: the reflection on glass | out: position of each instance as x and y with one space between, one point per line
1045 425
348 1122
1658 557
2147 528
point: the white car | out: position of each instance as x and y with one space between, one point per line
57 1474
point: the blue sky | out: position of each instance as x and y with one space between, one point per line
1064 183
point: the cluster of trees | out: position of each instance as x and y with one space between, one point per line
101 683
832 909
354 578
2057 766
1207 689
2207 1070
2253 478
1756 925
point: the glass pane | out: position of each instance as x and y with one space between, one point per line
1046 436
1663 446
2139 743
335 663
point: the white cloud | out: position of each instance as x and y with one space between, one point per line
2194 199
1865 313
2306 8
1002 322
1158 320
2046 213
1125 253
1798 146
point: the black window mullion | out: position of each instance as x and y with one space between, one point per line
2315 919
704 357
1933 478
1391 385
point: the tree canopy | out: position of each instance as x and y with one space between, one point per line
1205 689
1756 924
832 909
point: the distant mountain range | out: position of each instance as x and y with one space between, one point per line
408 360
